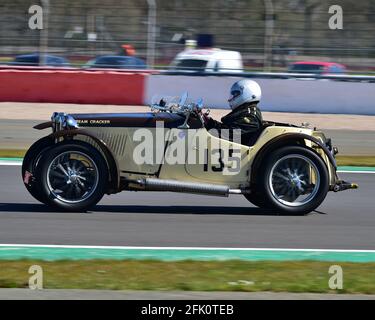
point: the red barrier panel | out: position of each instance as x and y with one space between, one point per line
63 86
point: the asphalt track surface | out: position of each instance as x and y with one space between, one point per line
345 220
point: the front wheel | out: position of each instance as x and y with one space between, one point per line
29 165
294 180
73 176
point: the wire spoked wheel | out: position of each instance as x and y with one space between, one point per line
294 180
72 176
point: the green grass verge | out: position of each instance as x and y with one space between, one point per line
12 153
360 161
302 276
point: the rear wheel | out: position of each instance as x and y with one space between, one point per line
257 199
294 180
73 176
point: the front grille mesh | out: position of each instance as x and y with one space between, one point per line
115 142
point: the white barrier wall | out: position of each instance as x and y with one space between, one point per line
286 95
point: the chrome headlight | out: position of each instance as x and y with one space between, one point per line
63 121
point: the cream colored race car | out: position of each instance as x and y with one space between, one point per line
289 169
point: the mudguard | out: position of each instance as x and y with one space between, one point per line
29 164
285 139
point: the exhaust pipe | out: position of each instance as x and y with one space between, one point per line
343 185
152 184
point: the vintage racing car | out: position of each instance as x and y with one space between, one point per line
288 169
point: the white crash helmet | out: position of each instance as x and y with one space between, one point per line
244 91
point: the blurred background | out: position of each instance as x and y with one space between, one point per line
269 35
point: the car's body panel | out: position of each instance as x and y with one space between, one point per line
139 120
118 131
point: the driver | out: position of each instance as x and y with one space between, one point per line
245 114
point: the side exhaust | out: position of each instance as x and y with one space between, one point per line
343 185
151 184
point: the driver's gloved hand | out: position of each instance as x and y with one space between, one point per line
205 117
209 122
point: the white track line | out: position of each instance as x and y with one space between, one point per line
10 163
340 171
179 248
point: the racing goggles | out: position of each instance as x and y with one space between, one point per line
234 95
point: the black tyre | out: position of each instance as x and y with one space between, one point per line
294 180
73 176
257 199
29 165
